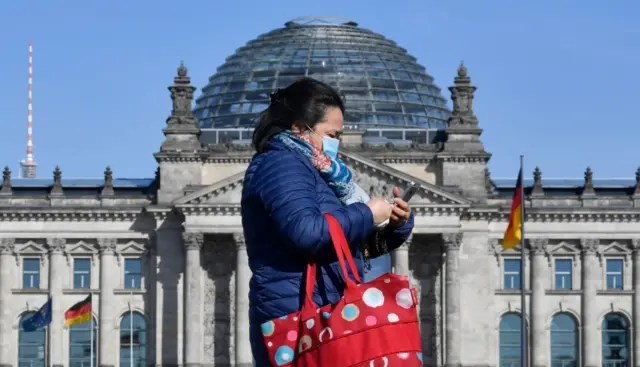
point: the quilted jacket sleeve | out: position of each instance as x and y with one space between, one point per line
287 189
397 236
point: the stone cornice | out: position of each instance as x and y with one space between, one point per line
550 215
210 209
179 157
68 215
462 211
227 160
466 158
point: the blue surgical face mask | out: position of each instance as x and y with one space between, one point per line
330 146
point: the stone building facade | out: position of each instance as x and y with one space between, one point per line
168 252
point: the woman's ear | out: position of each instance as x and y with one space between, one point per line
297 128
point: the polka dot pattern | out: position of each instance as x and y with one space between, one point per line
284 355
386 302
350 312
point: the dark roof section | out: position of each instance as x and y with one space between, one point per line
383 85
128 187
568 186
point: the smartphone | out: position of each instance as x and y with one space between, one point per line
410 192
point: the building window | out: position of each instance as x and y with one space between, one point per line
80 345
32 350
133 340
615 341
30 273
615 277
564 273
132 273
564 341
512 276
510 339
81 273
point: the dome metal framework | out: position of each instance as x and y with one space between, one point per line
383 85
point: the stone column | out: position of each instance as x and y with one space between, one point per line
7 253
108 352
192 301
636 301
401 258
591 273
452 243
539 266
57 267
244 357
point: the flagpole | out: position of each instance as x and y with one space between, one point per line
524 355
130 333
91 320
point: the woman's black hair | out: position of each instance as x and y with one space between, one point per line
304 101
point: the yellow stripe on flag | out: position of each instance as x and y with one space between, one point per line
513 234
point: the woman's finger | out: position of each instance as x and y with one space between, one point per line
400 213
401 204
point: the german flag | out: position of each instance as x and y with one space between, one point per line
513 234
78 313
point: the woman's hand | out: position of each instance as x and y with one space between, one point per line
381 210
400 212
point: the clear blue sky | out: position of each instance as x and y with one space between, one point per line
557 81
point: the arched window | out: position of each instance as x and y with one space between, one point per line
510 340
80 351
133 340
32 348
564 341
615 341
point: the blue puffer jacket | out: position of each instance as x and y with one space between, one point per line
283 201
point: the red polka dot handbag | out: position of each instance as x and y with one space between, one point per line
375 324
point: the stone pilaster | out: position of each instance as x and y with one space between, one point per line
590 276
401 258
192 302
7 251
452 243
539 265
108 351
244 358
636 301
57 267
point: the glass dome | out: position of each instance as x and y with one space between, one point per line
383 85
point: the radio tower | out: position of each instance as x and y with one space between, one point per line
28 165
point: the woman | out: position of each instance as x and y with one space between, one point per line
296 177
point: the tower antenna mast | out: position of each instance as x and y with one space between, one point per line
28 165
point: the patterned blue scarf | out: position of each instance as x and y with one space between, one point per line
334 171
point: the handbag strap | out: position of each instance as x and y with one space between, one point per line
345 258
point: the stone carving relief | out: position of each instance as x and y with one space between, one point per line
494 248
31 249
452 241
566 249
539 247
7 246
218 261
372 185
107 246
81 248
56 245
615 249
132 249
193 241
589 246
